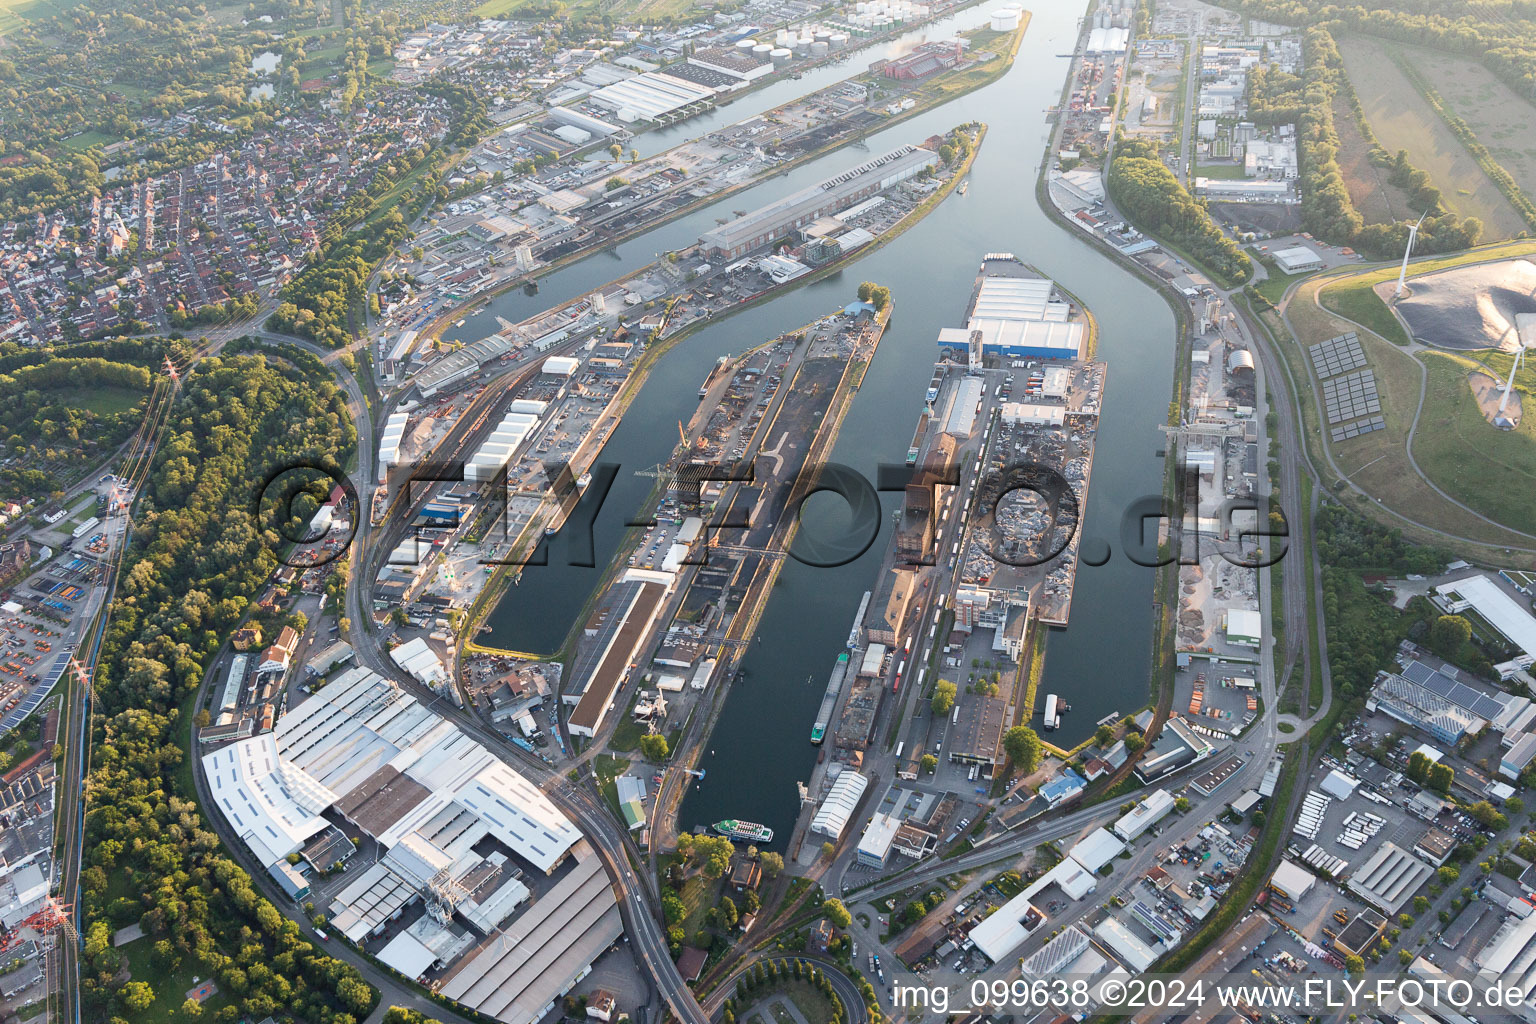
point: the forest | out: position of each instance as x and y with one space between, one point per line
194 566
1327 210
1149 193
1364 628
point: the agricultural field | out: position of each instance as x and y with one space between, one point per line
1402 119
1504 122
1378 200
15 13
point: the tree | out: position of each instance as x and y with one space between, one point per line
136 996
654 746
1488 815
1181 805
1104 735
943 697
772 863
1354 964
616 151
1134 742
1418 766
1440 777
880 298
867 289
1449 634
673 908
827 850
728 912
1023 748
930 764
837 913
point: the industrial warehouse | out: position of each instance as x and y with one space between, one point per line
798 209
1015 317
456 843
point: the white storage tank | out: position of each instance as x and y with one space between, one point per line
761 51
745 44
802 46
823 35
839 40
819 49
860 7
1005 20
780 56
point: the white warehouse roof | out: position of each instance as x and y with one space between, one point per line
407 955
1136 955
832 817
273 810
389 442
377 752
1012 298
421 661
1502 611
1096 849
649 96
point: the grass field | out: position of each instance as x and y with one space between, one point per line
1402 119
13 13
1502 119
85 140
1502 477
1378 200
1356 299
1226 172
104 401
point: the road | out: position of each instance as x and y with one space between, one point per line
843 985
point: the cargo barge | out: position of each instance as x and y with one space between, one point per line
829 699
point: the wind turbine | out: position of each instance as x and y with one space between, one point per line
1525 343
1413 231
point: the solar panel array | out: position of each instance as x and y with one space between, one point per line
1350 397
34 700
1460 694
1358 427
1337 355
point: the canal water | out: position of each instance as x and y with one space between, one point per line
1100 664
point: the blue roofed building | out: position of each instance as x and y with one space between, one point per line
1063 788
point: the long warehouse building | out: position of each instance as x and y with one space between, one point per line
635 602
497 450
798 209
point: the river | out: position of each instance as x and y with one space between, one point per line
1102 661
